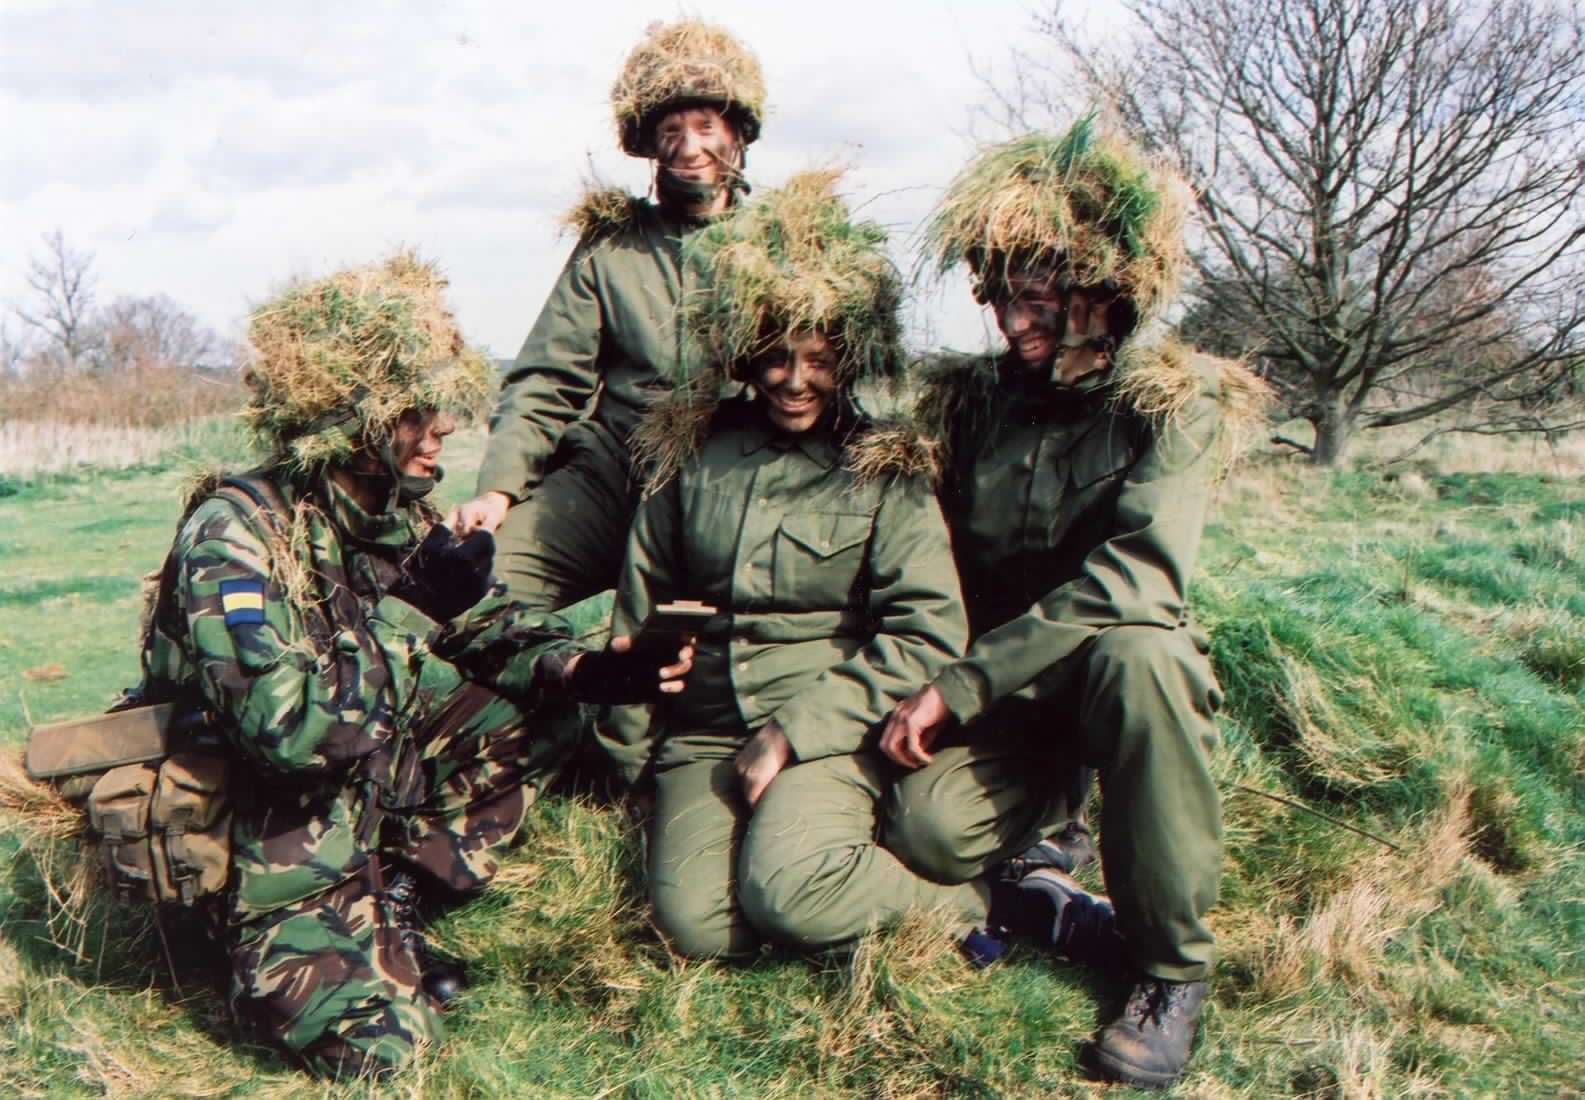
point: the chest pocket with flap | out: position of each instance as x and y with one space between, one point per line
818 557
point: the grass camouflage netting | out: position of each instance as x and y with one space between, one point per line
688 60
1086 198
794 261
601 211
339 359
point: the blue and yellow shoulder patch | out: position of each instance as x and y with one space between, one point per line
242 601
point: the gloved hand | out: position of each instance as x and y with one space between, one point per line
445 576
619 674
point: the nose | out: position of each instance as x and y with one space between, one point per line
1016 318
797 377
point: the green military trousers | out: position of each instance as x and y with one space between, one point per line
1137 704
330 977
565 542
802 869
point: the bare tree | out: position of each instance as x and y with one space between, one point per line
63 288
1391 192
153 332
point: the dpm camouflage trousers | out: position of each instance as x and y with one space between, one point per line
331 978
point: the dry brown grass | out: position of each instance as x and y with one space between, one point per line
136 399
892 449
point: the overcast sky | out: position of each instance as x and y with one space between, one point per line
210 150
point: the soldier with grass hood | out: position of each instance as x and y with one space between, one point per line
813 533
319 617
1079 466
556 483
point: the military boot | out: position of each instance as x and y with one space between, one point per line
1048 906
443 977
1147 1046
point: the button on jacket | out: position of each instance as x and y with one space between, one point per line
838 594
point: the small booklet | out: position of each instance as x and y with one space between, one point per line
669 623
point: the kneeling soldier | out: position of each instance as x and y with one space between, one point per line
306 608
1079 467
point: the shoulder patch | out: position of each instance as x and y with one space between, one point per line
242 601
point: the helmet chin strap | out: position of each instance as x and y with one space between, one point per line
673 189
399 489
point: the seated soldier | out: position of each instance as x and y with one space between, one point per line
1078 470
303 607
814 533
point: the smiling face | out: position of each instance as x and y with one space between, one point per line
698 144
1040 316
797 381
418 439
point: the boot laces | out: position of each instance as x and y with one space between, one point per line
1155 1000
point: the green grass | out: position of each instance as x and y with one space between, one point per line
1411 664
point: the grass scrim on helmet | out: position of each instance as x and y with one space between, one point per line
682 63
1087 201
795 261
337 360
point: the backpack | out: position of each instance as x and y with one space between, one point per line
152 776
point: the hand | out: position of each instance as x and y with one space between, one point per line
913 726
762 760
618 675
445 577
483 513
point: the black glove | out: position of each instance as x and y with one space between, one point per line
444 577
604 676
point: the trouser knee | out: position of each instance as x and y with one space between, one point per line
698 924
930 844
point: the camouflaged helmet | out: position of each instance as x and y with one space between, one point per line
1087 202
794 261
682 64
337 361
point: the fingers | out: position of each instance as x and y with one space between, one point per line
455 521
621 643
904 740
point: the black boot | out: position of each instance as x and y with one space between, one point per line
1147 1046
1048 906
444 977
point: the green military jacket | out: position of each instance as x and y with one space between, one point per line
280 627
1070 510
610 332
837 590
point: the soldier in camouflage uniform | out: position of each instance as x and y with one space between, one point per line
814 532
556 483
315 611
1079 469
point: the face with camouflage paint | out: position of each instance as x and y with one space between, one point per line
797 381
697 144
1040 314
418 440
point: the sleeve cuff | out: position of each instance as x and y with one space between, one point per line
964 690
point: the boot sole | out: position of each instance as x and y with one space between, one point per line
1124 1073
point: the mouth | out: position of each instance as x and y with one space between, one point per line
794 407
1034 347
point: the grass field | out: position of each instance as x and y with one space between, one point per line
1405 657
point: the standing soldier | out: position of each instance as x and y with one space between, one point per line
557 475
1080 465
304 609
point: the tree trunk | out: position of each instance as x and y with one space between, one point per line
1333 430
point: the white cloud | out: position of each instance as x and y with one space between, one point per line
209 151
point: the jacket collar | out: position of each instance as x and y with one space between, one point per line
821 443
